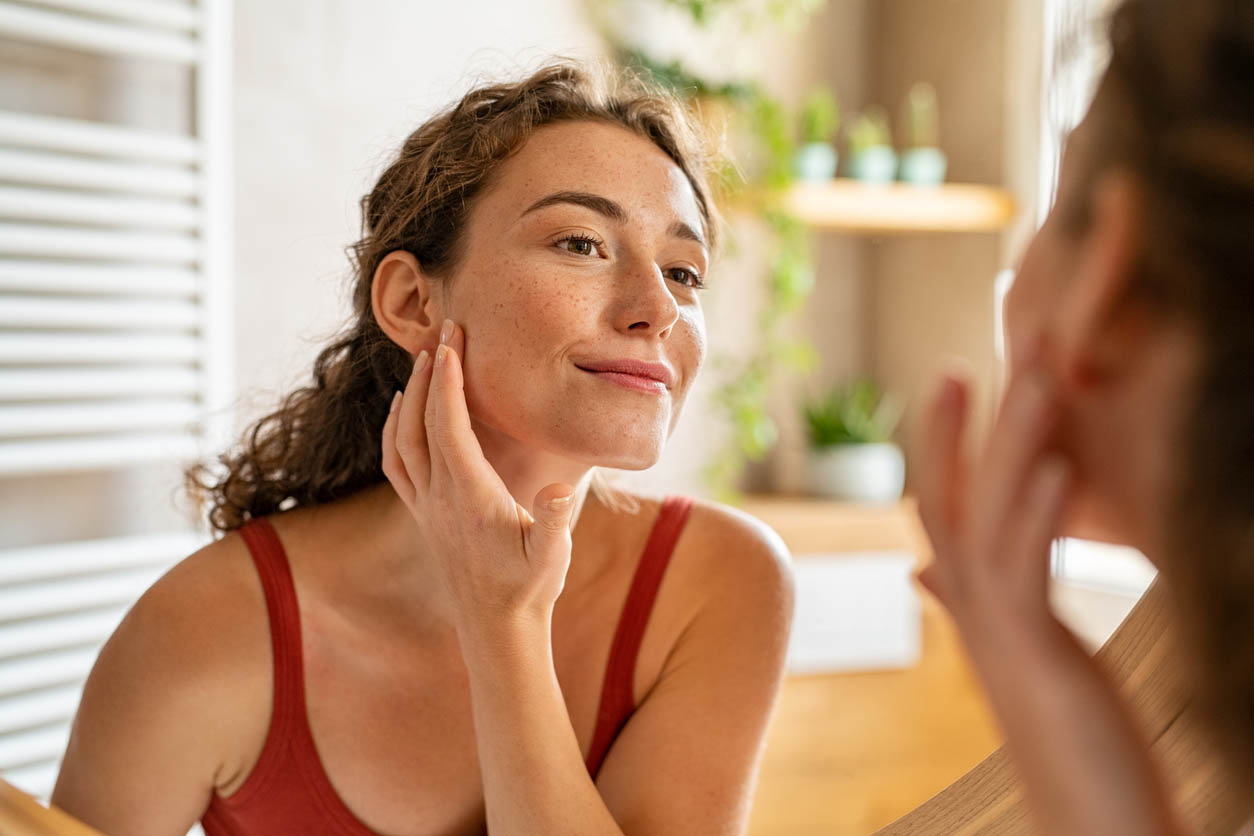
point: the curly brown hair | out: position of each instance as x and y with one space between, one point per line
323 442
1176 108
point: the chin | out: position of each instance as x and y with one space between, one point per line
621 452
628 462
622 456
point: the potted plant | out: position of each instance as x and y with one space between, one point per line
820 117
852 456
922 163
871 155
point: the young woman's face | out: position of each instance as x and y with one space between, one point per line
578 293
1122 372
1050 265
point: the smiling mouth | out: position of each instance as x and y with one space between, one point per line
628 380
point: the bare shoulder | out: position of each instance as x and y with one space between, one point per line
206 614
183 682
732 549
726 560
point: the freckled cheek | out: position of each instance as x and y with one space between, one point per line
516 325
691 342
685 350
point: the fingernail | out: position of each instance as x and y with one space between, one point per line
396 401
441 354
559 503
446 331
420 362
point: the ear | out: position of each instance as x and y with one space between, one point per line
404 305
1098 316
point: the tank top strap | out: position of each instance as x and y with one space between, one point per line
285 639
287 791
617 699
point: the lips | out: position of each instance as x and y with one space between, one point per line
646 371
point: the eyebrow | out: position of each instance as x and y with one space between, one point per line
610 209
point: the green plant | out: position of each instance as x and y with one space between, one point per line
820 115
869 129
922 117
752 13
855 412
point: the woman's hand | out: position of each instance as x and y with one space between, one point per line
1085 765
499 562
991 525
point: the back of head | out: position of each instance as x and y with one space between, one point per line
1176 108
323 442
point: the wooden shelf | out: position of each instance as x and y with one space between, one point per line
813 524
844 205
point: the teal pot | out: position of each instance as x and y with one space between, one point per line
923 167
877 164
815 161
858 472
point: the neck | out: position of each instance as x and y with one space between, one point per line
398 556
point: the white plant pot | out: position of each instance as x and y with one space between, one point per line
858 472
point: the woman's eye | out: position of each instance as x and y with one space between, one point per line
686 277
579 245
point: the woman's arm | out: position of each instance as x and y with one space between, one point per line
686 760
1085 765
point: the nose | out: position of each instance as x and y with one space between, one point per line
645 304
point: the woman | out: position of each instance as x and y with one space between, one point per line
1129 417
385 641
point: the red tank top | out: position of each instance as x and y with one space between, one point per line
288 791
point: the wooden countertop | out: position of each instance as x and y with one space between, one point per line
849 753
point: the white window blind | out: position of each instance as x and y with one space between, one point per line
114 334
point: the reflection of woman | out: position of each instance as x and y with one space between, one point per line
1130 416
405 664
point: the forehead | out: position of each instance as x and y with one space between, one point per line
599 158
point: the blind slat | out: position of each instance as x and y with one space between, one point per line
70 347
79 384
18 676
69 455
78 419
63 242
42 599
37 312
60 632
148 12
61 207
41 708
61 560
48 133
61 171
76 32
96 279
34 746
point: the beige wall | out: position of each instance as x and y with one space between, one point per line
903 308
323 93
